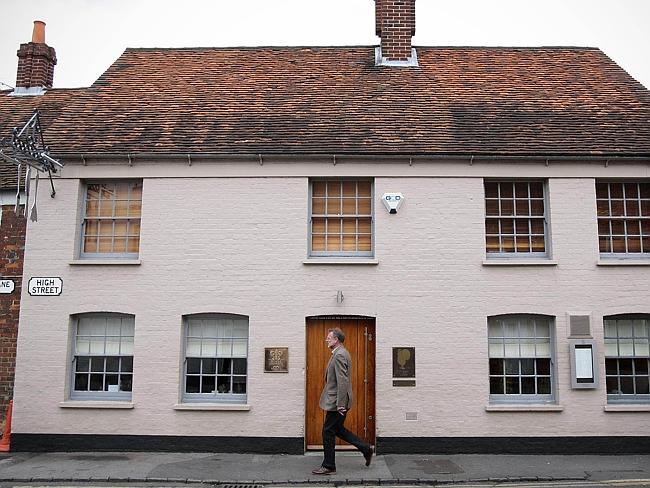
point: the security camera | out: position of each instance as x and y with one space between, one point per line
392 201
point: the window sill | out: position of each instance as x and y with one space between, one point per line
348 260
119 262
519 262
627 408
623 262
96 404
213 406
524 408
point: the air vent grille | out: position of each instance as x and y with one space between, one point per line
579 326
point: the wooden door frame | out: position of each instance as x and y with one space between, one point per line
374 371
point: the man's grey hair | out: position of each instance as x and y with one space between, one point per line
338 333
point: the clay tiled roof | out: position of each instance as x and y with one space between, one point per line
334 100
16 111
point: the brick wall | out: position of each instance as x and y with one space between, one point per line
12 249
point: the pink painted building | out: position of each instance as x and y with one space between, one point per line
477 220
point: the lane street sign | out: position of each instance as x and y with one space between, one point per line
7 287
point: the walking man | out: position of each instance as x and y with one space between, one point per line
336 400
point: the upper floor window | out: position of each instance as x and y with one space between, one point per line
627 358
102 367
341 218
521 358
515 219
111 219
623 218
216 358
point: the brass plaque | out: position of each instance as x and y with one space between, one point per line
403 362
276 359
403 382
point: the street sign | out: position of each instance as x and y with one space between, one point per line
45 286
7 287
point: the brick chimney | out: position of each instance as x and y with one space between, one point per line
36 61
395 25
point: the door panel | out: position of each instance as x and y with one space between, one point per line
360 342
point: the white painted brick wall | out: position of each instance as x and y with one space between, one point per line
237 245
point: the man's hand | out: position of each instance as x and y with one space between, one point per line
341 410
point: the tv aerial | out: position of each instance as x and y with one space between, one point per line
26 149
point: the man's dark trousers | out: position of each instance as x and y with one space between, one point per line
332 428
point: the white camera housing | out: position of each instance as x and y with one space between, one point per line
392 201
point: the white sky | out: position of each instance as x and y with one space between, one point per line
89 35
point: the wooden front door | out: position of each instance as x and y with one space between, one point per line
360 342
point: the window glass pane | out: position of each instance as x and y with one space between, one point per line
528 385
364 188
496 386
81 382
625 328
209 366
318 188
511 348
527 348
96 382
126 382
542 349
528 366
491 189
207 384
543 386
239 384
349 206
318 206
641 347
239 347
496 349
610 328
82 364
193 347
82 345
193 365
318 226
334 188
542 328
506 190
512 385
536 189
512 366
111 383
627 385
511 327
641 366
543 366
96 345
224 348
209 347
625 366
625 347
612 385
641 383
113 364
496 367
126 364
611 366
492 207
333 206
364 206
507 207
223 384
193 384
126 346
113 345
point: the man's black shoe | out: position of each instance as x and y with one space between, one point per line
323 470
368 455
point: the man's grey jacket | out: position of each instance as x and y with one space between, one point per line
338 388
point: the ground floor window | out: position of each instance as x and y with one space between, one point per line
627 358
102 367
520 359
216 358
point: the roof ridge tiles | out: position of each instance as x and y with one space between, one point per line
359 46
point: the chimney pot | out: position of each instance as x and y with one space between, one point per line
36 61
38 34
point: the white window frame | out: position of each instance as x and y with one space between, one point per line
493 341
640 344
82 234
122 345
361 254
213 397
644 253
545 217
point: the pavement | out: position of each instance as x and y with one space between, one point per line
128 468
